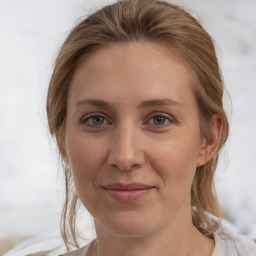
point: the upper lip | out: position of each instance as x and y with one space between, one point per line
130 186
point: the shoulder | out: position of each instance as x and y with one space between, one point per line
234 244
40 245
50 245
81 251
237 248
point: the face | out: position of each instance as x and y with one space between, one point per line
133 138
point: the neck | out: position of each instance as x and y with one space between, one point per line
180 240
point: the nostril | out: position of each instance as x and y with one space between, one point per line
123 164
128 168
126 162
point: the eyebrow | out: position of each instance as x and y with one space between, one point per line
94 102
144 104
160 102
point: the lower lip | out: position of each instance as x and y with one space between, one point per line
129 195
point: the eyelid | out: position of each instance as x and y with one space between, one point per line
163 114
168 117
87 116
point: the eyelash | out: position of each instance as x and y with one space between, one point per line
85 120
167 120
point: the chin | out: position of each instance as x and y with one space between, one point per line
126 226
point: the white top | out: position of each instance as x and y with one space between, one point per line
218 246
223 247
227 243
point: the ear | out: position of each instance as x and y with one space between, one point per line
64 155
211 144
65 159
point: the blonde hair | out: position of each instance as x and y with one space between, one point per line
149 21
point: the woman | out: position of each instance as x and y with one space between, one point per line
135 105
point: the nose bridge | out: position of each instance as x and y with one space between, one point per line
126 151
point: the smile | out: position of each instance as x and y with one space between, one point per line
129 192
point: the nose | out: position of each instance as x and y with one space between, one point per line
126 151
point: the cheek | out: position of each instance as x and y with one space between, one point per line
175 162
85 160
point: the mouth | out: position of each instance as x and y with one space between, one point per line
128 192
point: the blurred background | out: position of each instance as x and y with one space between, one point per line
31 180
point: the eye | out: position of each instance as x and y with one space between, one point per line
94 120
160 120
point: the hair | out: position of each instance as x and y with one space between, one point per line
131 21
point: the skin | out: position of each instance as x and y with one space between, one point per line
132 118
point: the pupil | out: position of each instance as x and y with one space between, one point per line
159 120
97 120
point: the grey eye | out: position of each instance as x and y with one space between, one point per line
159 120
94 121
97 120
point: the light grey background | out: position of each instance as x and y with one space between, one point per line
31 186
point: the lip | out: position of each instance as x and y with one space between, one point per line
128 192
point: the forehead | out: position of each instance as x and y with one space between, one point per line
125 70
